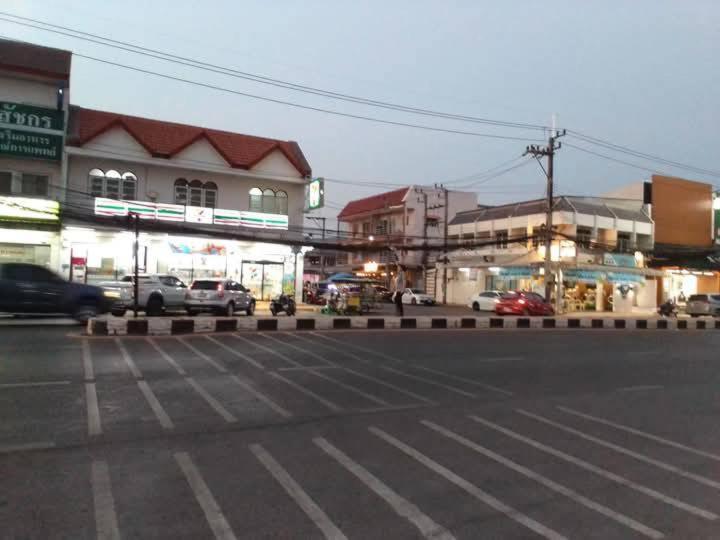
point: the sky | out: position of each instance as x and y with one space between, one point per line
639 73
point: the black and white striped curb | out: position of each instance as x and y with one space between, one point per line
164 326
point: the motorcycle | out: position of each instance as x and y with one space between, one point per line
283 303
668 309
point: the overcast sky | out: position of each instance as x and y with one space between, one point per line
642 73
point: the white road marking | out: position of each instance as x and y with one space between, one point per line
501 359
160 413
214 403
93 412
310 353
599 471
10 448
213 514
358 347
344 351
468 487
307 368
640 433
87 361
547 482
351 388
203 356
169 359
329 404
402 507
465 380
262 397
280 355
128 359
640 387
301 498
622 450
429 381
33 384
245 357
104 503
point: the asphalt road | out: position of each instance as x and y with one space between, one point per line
409 434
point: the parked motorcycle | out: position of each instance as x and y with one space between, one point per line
283 303
668 309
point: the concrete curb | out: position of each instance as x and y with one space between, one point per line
119 326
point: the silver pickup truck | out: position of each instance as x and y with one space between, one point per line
156 293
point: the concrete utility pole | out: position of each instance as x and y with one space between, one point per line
548 151
445 242
424 199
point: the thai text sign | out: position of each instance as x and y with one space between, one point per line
30 144
27 116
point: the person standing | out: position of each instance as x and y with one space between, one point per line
399 289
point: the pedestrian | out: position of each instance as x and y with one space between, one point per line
399 290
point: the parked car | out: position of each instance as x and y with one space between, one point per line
523 303
223 296
485 301
156 293
383 293
29 288
703 304
417 296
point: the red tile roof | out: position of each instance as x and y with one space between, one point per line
165 139
35 60
376 202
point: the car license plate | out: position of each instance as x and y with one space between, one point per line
202 295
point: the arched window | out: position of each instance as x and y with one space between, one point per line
281 203
268 201
129 186
195 198
112 184
256 200
181 191
210 194
97 183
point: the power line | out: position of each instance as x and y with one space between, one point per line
198 64
604 156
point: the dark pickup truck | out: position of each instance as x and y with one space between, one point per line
29 288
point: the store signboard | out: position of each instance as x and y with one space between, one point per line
263 221
625 277
29 144
23 208
516 272
198 214
110 207
28 116
170 212
227 217
315 194
619 259
143 209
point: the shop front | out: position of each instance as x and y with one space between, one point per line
29 231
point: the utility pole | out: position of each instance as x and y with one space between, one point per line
445 242
424 199
549 152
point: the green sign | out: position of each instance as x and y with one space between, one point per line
315 194
30 144
28 116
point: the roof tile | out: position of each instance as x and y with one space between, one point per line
375 202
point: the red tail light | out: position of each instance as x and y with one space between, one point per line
220 290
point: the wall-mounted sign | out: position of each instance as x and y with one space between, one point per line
30 144
619 259
190 214
23 209
315 194
28 116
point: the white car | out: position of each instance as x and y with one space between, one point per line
485 301
416 296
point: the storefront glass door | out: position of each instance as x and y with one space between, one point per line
263 278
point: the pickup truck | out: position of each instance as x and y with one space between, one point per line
156 293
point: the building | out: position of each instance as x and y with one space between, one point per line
209 202
322 263
403 218
598 252
34 98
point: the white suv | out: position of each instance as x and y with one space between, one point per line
156 293
223 296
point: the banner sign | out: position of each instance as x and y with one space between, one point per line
517 272
30 144
23 208
619 259
315 194
198 214
28 116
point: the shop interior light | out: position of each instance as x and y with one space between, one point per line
466 270
494 269
709 274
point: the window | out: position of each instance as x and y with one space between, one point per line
31 185
112 184
623 241
501 239
268 201
366 228
281 203
256 200
181 189
5 182
34 185
583 237
210 192
196 193
381 227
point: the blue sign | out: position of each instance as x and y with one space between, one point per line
619 259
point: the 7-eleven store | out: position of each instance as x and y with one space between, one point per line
173 240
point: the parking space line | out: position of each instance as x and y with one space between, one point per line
10 448
280 355
34 384
229 349
169 359
402 507
640 433
622 450
307 368
465 380
298 494
310 353
329 404
152 400
128 359
344 352
357 347
103 502
213 514
262 397
598 470
640 388
547 482
468 487
429 381
87 361
93 412
214 403
203 356
351 388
